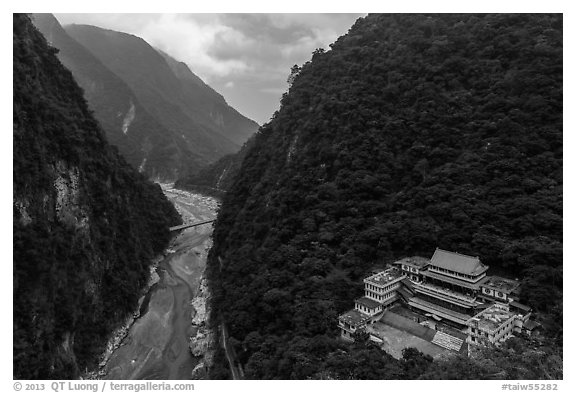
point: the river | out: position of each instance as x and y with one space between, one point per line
157 343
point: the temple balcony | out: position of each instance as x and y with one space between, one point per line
446 294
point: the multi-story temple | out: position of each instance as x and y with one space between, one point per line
449 286
450 292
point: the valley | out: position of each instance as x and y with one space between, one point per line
412 132
156 345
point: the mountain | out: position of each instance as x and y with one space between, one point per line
413 132
209 107
85 224
198 118
216 178
140 138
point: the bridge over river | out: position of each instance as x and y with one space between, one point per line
190 225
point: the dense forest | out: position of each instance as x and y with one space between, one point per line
85 224
163 118
217 178
200 124
412 132
140 138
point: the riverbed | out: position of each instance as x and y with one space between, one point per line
157 343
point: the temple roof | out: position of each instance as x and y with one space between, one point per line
354 318
531 325
501 284
459 263
520 306
415 261
370 303
384 277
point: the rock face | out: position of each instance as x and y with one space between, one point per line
198 118
202 344
165 129
128 125
86 224
209 107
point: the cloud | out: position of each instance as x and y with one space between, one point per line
272 90
241 55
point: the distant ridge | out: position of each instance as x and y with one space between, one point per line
166 128
194 114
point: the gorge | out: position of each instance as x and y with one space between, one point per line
412 132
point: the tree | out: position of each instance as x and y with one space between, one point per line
294 71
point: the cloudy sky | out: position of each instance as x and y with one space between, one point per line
245 57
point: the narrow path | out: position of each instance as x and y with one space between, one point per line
236 373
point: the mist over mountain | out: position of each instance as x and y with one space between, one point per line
145 143
196 117
168 125
217 178
413 132
209 107
85 224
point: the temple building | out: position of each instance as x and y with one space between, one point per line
446 301
450 286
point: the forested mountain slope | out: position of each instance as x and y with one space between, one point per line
216 178
209 107
174 100
413 132
145 143
85 223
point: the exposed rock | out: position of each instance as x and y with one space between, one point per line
202 344
128 118
67 185
25 218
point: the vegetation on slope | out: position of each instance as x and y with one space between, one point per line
209 107
85 224
412 132
142 141
198 119
217 178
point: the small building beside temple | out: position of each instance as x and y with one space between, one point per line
350 322
412 267
499 289
494 325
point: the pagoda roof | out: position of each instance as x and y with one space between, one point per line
456 262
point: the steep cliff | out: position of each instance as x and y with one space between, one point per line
210 108
85 223
216 178
197 118
412 132
143 141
